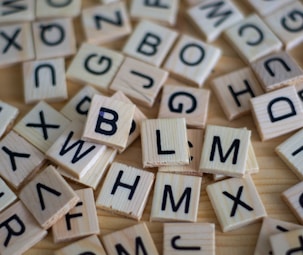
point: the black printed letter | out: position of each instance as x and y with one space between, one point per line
235 95
175 207
107 62
189 60
159 147
52 40
234 146
110 122
151 42
52 70
258 30
295 16
285 115
117 22
179 108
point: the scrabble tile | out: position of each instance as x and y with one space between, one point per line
16 44
8 114
7 196
188 238
48 197
73 154
125 190
161 11
19 230
192 60
105 23
89 245
54 38
233 91
55 9
213 17
173 202
277 70
22 11
264 7
109 122
225 150
44 80
164 142
80 221
277 113
19 159
185 102
271 227
150 42
94 65
236 202
139 81
41 126
252 39
131 240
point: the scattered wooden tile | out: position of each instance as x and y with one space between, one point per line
192 60
188 238
94 65
277 112
140 81
233 91
8 114
55 9
164 142
16 44
44 80
264 7
19 230
164 12
130 240
173 202
105 23
185 102
7 196
12 12
252 39
19 159
225 150
213 17
41 126
150 42
236 202
48 197
125 190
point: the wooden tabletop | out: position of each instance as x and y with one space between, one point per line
274 176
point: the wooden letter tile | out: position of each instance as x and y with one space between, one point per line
189 238
173 202
105 23
11 12
7 196
150 42
264 7
212 17
125 190
236 202
164 142
42 126
48 197
55 9
252 39
277 113
8 114
192 60
225 150
185 102
140 81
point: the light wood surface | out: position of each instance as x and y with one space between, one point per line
274 176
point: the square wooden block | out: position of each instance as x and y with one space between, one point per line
236 202
252 39
16 44
44 80
225 150
150 42
173 202
48 197
277 113
94 65
105 23
8 114
130 240
41 126
264 7
12 12
164 142
55 9
213 17
19 230
233 91
185 102
192 60
140 81
109 122
188 238
19 159
7 196
125 190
